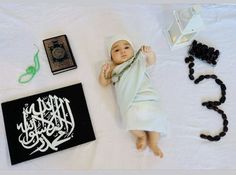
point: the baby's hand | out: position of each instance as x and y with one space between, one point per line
107 70
148 52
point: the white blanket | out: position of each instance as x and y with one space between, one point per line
86 25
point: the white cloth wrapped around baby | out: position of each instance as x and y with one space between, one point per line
137 99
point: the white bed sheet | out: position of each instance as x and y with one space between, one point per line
24 24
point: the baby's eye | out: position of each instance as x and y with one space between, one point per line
117 50
127 47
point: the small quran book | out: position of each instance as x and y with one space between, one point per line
59 54
46 123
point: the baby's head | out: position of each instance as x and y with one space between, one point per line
120 49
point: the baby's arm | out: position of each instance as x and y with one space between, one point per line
150 55
105 74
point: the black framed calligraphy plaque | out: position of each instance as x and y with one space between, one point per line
48 122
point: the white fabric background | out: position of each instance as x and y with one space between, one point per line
24 24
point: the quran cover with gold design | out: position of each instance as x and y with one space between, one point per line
59 53
46 123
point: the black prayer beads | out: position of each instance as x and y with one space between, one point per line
203 52
210 56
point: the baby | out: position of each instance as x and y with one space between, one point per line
137 99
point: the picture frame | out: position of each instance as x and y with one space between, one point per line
46 123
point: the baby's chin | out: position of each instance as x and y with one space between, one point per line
124 59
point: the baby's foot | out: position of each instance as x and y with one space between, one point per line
156 150
141 143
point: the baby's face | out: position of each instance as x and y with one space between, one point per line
121 51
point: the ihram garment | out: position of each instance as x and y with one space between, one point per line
137 99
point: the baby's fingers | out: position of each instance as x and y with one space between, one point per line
105 66
146 48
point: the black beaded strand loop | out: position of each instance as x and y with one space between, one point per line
209 55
